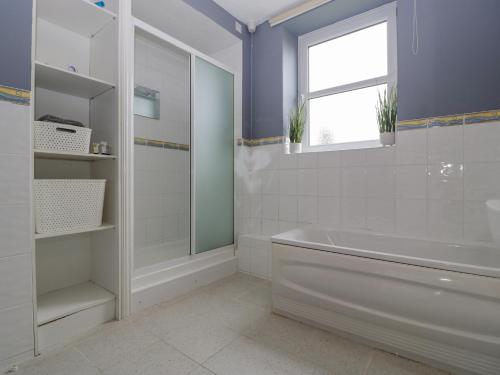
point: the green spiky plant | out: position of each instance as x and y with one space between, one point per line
297 122
387 111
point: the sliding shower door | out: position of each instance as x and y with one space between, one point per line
212 156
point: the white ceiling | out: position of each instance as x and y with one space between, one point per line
256 11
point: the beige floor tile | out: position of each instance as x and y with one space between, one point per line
156 359
259 296
328 351
239 316
110 345
389 364
233 286
200 340
201 371
247 357
67 362
205 327
199 307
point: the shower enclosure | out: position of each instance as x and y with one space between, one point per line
183 152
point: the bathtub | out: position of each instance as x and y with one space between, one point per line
430 301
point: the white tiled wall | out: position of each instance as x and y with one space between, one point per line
168 72
432 184
16 308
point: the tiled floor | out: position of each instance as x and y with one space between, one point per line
226 328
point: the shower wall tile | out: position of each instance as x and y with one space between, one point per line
445 219
14 139
380 215
411 147
329 211
307 209
411 181
307 182
445 144
329 182
482 142
411 217
16 271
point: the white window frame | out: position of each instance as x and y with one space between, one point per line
386 13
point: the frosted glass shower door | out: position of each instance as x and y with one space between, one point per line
213 157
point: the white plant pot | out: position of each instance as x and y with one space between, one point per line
286 148
295 148
388 139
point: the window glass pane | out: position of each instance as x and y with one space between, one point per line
345 117
350 58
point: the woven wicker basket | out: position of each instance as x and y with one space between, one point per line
64 205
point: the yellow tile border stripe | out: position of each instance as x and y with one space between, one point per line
13 95
160 144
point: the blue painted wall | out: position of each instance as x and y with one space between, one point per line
457 69
15 43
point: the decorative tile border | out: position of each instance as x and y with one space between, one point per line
445 121
412 124
481 117
16 96
262 141
442 121
160 144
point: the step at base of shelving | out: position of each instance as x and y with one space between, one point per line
67 301
66 330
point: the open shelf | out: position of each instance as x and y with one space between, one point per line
67 301
39 236
66 82
80 16
61 155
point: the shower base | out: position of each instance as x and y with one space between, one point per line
168 280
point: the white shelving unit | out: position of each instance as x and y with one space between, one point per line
60 155
77 271
66 82
39 236
79 16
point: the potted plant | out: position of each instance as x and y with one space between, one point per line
387 111
297 123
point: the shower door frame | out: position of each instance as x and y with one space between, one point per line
127 141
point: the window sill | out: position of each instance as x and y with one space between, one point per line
344 147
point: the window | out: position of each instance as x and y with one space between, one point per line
342 69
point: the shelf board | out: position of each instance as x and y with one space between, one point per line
67 301
39 236
61 155
80 16
66 82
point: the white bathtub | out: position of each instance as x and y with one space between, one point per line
434 302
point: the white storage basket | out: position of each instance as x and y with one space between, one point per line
51 136
65 205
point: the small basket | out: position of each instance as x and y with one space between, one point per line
65 205
51 136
